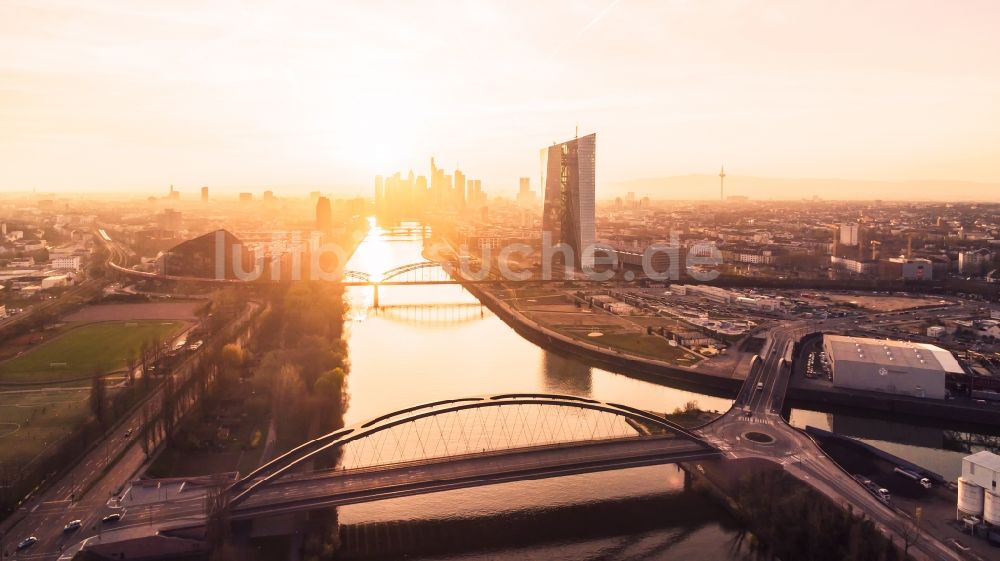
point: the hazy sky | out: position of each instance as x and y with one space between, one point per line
130 94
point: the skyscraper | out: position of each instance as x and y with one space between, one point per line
568 215
849 234
324 215
204 194
525 196
459 188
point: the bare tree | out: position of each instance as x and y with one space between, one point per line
133 361
912 531
98 399
218 520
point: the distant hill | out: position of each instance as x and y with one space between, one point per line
690 187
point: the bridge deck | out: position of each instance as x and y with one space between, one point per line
328 489
451 473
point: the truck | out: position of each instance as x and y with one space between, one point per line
881 493
923 481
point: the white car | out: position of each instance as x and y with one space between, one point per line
72 526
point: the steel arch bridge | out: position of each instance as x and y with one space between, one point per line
494 427
357 276
412 273
424 272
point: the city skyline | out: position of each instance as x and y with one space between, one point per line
346 280
117 98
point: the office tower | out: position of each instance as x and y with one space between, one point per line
525 196
408 189
173 195
246 197
204 194
379 186
420 192
849 234
324 215
268 196
438 194
459 188
568 215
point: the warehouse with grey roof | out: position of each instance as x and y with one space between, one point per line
896 367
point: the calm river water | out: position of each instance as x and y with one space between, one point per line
427 343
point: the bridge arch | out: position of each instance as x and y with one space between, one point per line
473 425
429 270
357 276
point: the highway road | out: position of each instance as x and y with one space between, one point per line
85 492
300 493
759 411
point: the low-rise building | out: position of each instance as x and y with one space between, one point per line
55 281
974 262
896 367
896 268
855 266
70 262
981 328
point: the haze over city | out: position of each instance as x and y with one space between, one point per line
603 280
124 97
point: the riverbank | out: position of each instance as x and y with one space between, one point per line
726 384
699 379
785 517
958 415
936 504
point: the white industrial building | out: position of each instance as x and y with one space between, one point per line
977 488
67 262
896 367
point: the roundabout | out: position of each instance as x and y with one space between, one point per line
759 437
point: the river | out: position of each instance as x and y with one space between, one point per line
427 343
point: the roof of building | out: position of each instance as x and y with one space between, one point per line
901 354
986 459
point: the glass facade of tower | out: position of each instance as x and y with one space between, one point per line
569 197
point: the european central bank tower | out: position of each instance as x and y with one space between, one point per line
568 176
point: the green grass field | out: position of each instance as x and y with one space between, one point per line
81 351
31 421
641 344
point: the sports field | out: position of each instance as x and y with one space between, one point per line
81 351
32 420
